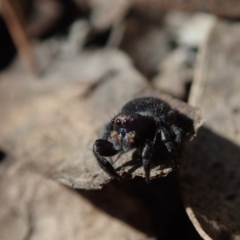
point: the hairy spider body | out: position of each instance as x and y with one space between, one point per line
146 124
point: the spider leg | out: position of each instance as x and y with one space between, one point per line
165 138
107 130
146 160
102 148
178 133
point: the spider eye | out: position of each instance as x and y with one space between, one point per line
118 122
131 120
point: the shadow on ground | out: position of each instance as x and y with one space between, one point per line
155 209
210 185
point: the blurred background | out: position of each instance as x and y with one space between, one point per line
66 67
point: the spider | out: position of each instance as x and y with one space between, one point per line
146 124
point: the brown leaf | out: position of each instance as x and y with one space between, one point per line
210 179
222 8
34 207
53 121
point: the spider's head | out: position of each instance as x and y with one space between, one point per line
124 132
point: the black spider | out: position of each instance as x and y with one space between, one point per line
147 124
